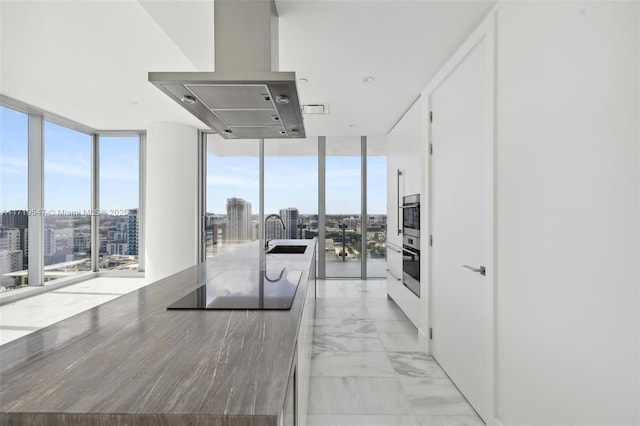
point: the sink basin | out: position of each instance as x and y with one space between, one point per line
287 249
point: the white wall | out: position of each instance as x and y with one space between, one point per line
171 199
567 213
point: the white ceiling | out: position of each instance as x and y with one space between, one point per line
88 60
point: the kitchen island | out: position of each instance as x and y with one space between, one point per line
133 362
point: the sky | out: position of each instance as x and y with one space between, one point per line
293 182
289 181
67 167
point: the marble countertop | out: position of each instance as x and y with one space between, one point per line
133 362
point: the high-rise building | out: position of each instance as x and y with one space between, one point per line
18 219
351 222
49 242
10 261
290 218
81 241
132 232
238 220
274 230
50 246
117 248
9 239
15 219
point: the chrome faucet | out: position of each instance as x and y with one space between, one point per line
275 216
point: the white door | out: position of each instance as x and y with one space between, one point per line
462 217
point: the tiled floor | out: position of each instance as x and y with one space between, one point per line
367 368
25 316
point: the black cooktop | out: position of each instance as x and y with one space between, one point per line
271 289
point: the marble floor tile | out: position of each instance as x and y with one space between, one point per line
356 326
400 342
430 396
352 364
345 326
340 302
337 289
415 364
379 301
361 420
352 312
346 343
370 289
387 312
394 326
449 421
357 395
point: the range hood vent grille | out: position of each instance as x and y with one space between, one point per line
247 98
238 105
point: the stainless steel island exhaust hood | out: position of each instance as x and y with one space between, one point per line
246 97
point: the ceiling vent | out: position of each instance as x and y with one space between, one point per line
315 109
246 97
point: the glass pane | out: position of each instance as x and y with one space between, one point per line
67 200
343 222
376 208
291 188
13 199
232 193
119 173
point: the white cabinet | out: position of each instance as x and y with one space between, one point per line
409 156
394 272
304 348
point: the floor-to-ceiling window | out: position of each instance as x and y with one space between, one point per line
291 187
376 207
343 191
232 193
67 200
49 198
119 218
13 198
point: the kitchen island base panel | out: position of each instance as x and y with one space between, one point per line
71 419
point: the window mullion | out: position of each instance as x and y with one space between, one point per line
95 203
36 199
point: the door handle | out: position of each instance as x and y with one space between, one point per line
481 270
398 174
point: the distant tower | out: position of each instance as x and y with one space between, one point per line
238 219
18 219
290 218
49 242
9 239
132 232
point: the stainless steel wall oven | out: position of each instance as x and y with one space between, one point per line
411 243
411 215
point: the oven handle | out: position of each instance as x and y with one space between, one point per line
411 250
394 247
399 173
